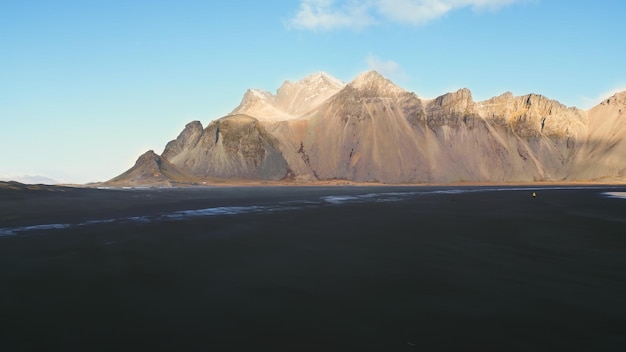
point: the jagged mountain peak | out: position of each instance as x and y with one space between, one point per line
262 105
192 126
187 138
292 99
252 98
462 94
322 77
260 94
367 77
150 155
313 82
452 104
618 98
150 169
534 98
523 102
373 83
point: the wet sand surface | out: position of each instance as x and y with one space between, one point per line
314 268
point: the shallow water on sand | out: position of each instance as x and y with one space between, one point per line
284 205
616 194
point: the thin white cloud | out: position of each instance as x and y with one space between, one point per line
588 103
388 68
411 11
333 14
330 14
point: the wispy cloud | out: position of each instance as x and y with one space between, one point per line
388 68
589 102
333 14
330 14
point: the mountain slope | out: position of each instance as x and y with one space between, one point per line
603 152
235 146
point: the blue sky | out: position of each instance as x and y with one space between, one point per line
88 86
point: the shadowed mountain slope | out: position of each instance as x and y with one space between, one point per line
152 170
602 155
235 146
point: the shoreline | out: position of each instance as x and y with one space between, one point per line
50 206
344 183
17 186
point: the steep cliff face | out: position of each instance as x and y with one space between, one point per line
451 109
187 139
602 155
461 145
235 146
534 115
543 131
362 134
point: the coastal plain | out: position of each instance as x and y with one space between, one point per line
313 268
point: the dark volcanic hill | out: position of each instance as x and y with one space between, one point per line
152 170
371 130
235 146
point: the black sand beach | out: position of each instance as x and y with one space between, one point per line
313 269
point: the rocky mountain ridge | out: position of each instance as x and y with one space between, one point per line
371 130
236 146
292 99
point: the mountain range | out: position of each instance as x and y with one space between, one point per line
371 130
31 179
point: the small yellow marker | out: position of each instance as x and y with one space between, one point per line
534 195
